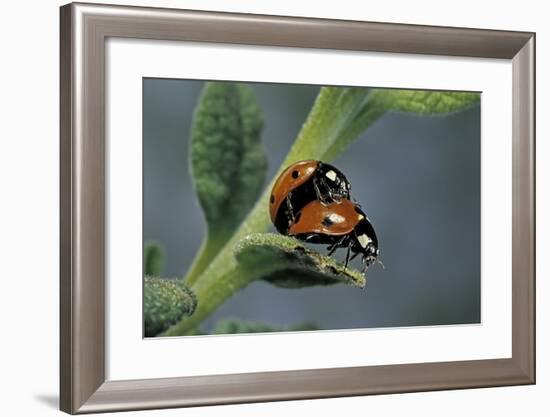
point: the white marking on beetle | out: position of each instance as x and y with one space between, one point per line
364 240
331 175
360 217
336 218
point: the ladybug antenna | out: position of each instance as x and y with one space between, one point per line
366 263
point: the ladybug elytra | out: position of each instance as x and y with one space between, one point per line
301 183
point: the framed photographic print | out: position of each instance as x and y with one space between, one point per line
277 187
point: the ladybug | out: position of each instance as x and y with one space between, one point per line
340 225
302 183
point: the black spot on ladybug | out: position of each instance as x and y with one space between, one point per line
272 199
327 222
298 217
295 174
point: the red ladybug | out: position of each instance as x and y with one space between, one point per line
340 225
302 183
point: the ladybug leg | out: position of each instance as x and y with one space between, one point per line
320 196
332 196
347 256
332 248
354 256
339 243
289 207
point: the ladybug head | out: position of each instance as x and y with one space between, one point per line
370 255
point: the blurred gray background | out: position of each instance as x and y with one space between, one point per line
418 179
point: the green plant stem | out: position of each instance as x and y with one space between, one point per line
208 250
223 277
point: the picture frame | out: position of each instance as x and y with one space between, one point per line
84 29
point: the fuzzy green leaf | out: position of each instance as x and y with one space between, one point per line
227 158
153 259
380 101
234 326
228 162
285 262
165 301
422 101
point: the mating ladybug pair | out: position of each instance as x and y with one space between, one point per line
311 202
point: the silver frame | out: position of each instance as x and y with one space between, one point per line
84 29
